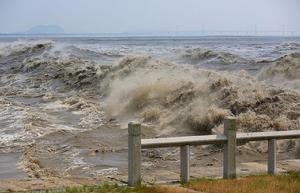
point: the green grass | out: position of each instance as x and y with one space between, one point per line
285 183
125 189
106 188
288 183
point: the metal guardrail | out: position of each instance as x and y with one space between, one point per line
229 139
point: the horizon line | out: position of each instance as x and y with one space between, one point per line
202 33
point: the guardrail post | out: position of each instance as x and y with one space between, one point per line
272 156
184 163
134 154
229 162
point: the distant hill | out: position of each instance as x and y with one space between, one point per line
45 29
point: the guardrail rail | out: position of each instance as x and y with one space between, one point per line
230 138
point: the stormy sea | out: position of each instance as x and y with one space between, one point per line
65 102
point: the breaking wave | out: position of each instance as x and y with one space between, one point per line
173 97
92 54
180 99
45 93
197 55
22 47
290 46
284 72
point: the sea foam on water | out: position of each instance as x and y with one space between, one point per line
58 93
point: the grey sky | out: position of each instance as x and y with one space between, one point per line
96 16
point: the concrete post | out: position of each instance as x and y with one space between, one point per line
272 156
229 162
184 163
134 154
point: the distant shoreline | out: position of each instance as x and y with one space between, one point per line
100 35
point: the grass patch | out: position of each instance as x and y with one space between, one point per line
106 188
289 183
286 183
125 189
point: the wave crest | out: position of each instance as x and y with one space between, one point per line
174 97
197 55
24 47
283 71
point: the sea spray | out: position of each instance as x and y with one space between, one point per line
61 103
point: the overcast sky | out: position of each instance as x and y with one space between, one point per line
117 16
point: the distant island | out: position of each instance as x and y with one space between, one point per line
45 29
